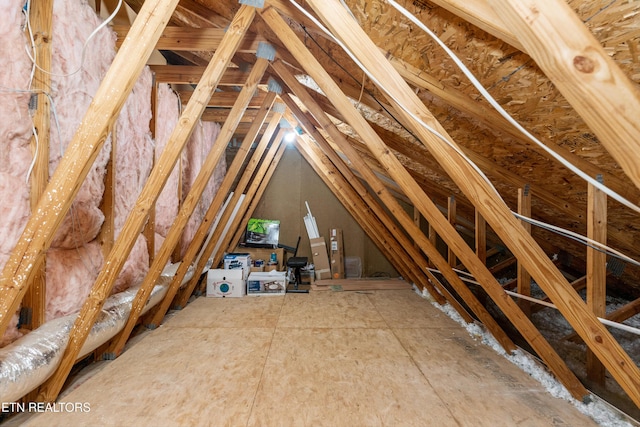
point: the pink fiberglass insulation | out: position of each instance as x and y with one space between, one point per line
199 146
134 159
15 136
167 204
75 257
76 75
70 276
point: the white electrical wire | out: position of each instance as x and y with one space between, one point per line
604 321
84 46
497 106
406 110
580 238
508 117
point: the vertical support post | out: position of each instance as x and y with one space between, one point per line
149 230
107 205
433 239
41 14
451 216
416 221
481 237
524 278
596 269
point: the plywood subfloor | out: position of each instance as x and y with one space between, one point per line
320 359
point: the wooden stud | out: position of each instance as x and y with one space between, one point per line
41 14
416 220
108 203
188 206
192 39
481 237
148 196
566 51
191 74
596 269
524 278
149 230
397 171
80 154
451 216
224 100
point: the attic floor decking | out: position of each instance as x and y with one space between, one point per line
325 358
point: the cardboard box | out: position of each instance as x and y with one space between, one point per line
236 261
265 255
225 283
320 258
336 253
267 283
263 232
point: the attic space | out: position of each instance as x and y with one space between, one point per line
346 174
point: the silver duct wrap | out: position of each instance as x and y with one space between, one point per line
32 359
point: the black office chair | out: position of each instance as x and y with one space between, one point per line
297 263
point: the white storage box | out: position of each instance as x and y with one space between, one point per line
242 261
267 283
225 283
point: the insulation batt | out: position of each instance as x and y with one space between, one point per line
167 204
76 76
198 147
15 135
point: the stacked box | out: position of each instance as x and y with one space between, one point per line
237 261
225 283
267 283
336 253
320 258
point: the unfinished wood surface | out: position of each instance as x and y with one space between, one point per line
189 74
149 230
192 39
41 15
224 99
365 284
523 276
491 206
592 82
79 156
413 191
148 196
326 359
596 270
108 203
451 216
481 237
